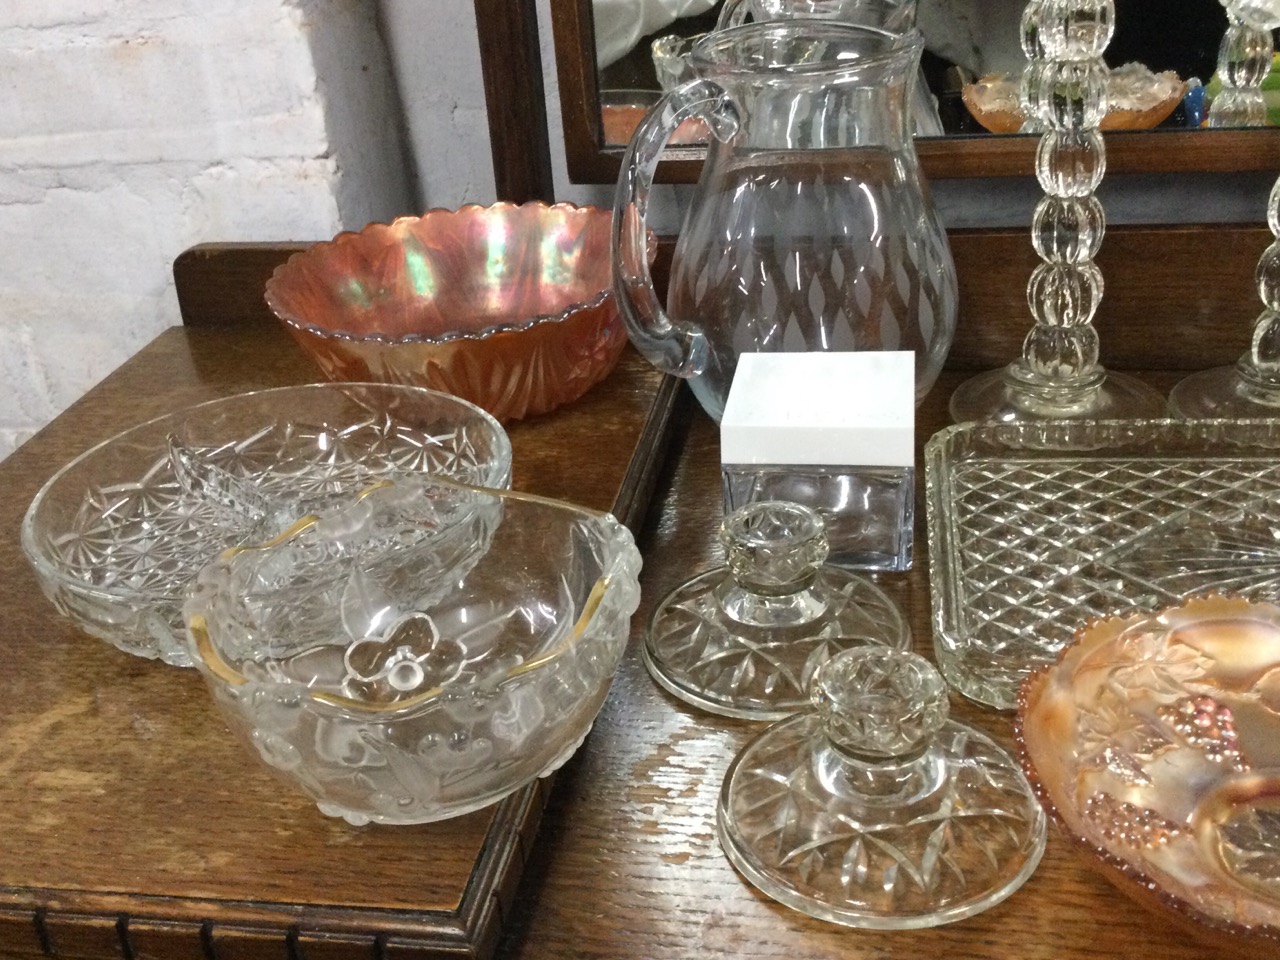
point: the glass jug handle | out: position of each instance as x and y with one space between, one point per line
677 349
733 14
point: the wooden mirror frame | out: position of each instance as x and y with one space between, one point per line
590 160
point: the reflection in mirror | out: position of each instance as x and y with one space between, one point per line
1163 55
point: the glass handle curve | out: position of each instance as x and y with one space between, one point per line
732 14
673 348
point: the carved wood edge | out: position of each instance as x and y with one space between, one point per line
86 924
71 923
965 157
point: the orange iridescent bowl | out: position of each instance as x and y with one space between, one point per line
1137 99
1154 744
508 306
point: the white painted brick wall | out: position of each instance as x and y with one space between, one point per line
133 129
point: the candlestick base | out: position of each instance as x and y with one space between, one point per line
1008 395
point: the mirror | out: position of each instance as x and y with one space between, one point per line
608 79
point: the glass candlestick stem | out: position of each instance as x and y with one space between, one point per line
1064 93
1250 388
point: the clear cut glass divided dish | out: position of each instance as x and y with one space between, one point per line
1036 528
423 652
116 536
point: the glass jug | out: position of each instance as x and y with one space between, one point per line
896 16
811 228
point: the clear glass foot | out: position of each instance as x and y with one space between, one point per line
1006 396
876 810
1232 393
744 640
1252 387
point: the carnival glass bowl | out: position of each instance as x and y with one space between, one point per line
1137 99
394 675
508 306
117 535
1154 742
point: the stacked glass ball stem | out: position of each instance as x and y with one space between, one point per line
1064 94
1250 388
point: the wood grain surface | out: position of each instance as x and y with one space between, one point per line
628 865
130 824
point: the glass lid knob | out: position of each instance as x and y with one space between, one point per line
881 703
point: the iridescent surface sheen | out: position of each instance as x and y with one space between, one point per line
507 306
1155 742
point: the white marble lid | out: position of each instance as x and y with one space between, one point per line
830 409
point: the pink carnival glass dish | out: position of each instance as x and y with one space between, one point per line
1154 742
421 653
507 306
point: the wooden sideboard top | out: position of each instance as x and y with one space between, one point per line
132 825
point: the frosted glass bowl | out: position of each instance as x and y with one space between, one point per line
422 653
117 535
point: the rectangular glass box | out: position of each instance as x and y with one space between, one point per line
834 432
869 511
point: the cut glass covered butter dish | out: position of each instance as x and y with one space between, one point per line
1154 741
116 535
422 652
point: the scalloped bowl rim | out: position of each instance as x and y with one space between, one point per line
52 572
347 237
1149 884
620 579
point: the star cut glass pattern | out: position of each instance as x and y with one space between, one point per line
1036 529
745 639
117 535
875 810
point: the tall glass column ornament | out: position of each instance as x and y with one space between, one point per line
1250 388
1064 94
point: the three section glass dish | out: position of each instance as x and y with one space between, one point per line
1036 528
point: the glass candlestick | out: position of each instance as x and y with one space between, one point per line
875 809
1250 388
744 640
1064 93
